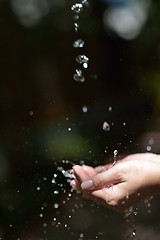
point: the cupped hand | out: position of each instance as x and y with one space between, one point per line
130 180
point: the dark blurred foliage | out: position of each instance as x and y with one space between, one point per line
42 119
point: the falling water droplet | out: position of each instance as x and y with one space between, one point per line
76 17
85 3
76 26
115 156
82 59
77 7
85 109
78 76
56 205
56 192
79 43
110 109
106 126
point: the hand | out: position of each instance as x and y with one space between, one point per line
130 180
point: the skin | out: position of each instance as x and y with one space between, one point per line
119 186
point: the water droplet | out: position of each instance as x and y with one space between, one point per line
77 7
85 109
76 17
82 59
106 126
110 109
38 188
41 215
76 26
78 76
31 113
85 65
56 205
79 43
149 148
69 129
44 224
85 3
115 157
56 192
115 152
53 180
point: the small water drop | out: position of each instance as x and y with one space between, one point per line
110 109
85 3
38 188
76 26
106 126
115 156
149 148
56 192
85 109
45 225
53 180
76 17
79 43
56 205
77 7
31 113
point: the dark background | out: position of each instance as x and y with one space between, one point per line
42 120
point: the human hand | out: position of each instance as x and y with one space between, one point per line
130 180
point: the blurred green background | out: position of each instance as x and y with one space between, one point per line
47 117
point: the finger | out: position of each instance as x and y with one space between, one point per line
103 168
80 173
89 170
109 177
75 185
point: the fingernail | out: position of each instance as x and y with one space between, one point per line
87 184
